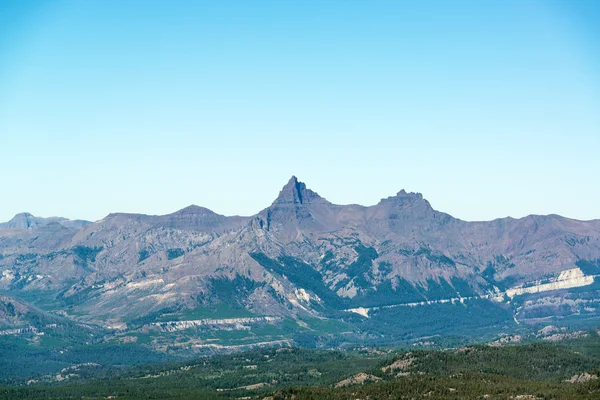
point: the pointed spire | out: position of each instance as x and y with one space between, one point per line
295 192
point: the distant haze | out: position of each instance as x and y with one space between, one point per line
490 109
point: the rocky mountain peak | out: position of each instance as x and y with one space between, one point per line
26 220
295 192
410 202
406 198
198 218
404 194
22 220
194 210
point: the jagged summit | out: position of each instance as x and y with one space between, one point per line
405 198
404 193
295 192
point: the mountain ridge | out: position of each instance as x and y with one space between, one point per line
291 191
304 257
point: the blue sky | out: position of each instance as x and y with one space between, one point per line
488 108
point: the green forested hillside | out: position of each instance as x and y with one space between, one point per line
525 371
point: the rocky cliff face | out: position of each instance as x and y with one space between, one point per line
300 257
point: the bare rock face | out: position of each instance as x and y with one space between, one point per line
359 379
295 192
582 378
302 255
23 221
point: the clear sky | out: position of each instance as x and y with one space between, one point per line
488 108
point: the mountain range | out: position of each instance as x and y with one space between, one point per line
303 270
